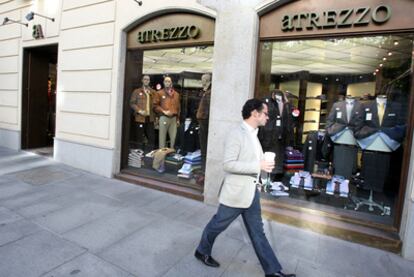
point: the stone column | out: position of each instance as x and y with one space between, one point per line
234 67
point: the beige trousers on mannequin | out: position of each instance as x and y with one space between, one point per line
167 125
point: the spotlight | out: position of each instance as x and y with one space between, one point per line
6 20
139 2
31 15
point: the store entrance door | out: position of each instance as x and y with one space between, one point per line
39 99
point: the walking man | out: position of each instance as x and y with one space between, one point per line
243 162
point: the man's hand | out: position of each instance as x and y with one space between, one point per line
267 166
167 113
141 112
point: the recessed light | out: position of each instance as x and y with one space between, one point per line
375 73
389 53
381 65
384 59
376 70
396 42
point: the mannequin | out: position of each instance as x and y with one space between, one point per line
278 131
203 113
167 105
341 124
141 103
382 132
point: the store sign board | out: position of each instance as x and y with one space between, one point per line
320 17
345 18
168 30
168 34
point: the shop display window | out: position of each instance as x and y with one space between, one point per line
338 111
169 102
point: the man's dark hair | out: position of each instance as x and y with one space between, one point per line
251 105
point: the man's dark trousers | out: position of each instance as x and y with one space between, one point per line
253 221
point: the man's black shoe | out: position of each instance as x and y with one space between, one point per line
280 274
206 259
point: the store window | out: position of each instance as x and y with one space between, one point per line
338 111
169 104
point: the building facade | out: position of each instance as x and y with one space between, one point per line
68 79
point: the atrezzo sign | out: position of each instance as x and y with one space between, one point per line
341 19
168 34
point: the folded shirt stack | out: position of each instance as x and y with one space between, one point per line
135 158
185 171
294 160
302 179
338 185
193 158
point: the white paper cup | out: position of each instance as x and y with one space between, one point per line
269 156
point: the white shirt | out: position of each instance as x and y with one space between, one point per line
349 107
253 135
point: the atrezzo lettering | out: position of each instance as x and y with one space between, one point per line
168 34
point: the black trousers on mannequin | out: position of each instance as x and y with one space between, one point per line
345 159
203 137
145 135
375 169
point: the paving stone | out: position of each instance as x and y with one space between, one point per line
103 232
43 175
68 218
14 188
7 216
225 249
153 250
36 254
15 230
140 198
87 265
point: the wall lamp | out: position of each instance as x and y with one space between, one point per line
31 15
139 2
6 20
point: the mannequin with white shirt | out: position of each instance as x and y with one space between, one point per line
341 124
278 132
381 132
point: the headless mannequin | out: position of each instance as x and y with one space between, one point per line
203 114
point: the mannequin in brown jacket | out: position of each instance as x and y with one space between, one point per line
141 103
167 106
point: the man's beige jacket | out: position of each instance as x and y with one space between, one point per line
241 166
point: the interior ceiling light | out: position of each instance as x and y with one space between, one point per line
389 53
396 42
384 59
31 15
381 65
7 20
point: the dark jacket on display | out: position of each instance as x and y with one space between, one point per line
317 147
203 110
278 131
138 102
393 123
337 119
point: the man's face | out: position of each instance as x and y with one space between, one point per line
146 80
167 82
263 116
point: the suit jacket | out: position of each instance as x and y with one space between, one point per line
241 166
337 119
393 123
275 137
138 101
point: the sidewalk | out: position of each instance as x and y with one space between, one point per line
56 220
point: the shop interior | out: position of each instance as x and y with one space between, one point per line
179 156
338 111
39 99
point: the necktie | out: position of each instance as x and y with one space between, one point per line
381 111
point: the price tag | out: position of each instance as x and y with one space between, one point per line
278 123
338 114
368 116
